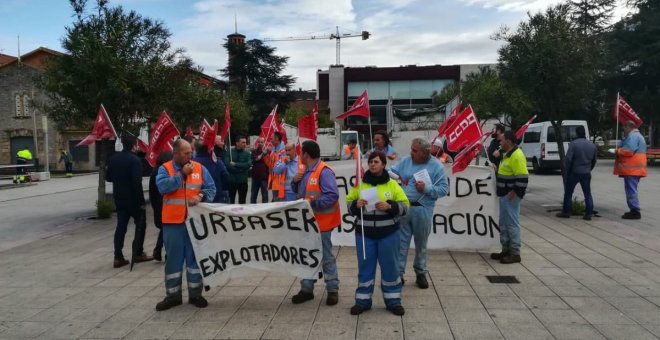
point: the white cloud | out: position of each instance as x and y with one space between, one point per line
514 5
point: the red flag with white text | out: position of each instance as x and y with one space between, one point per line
521 131
269 126
207 133
359 108
103 128
464 130
626 112
452 109
162 133
465 157
308 124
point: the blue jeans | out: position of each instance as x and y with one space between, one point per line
417 224
632 199
179 250
329 268
123 216
510 224
585 182
383 251
258 185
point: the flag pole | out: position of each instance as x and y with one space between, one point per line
371 135
616 137
359 175
229 137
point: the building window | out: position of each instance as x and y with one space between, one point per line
23 105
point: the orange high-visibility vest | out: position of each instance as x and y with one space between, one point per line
301 170
628 163
175 206
275 181
329 218
348 150
443 158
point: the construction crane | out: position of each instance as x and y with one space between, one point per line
365 35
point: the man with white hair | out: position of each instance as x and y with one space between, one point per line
417 223
630 163
438 151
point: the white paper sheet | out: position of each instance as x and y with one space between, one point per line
423 176
371 196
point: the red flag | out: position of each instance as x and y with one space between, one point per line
452 109
282 131
624 112
189 132
359 108
269 126
298 148
308 124
463 159
522 129
207 133
162 133
464 130
226 125
359 170
102 128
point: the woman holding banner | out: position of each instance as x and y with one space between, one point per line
379 220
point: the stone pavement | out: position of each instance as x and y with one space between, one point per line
578 280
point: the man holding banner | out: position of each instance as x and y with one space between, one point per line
424 181
318 185
287 168
182 183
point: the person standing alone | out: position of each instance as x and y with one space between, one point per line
579 161
630 163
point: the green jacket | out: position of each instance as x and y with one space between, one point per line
238 173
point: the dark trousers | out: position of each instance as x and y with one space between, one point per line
241 189
585 182
158 221
69 167
123 216
257 186
21 170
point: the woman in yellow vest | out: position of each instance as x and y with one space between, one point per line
381 236
318 185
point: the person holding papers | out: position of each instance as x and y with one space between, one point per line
378 203
424 181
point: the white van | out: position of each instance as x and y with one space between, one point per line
540 145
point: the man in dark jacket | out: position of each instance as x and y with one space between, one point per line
494 148
580 160
125 173
217 170
238 163
259 173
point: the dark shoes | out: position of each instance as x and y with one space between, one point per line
500 255
142 258
563 215
158 256
198 301
169 302
357 310
332 299
632 215
303 297
508 259
396 310
587 217
422 282
120 262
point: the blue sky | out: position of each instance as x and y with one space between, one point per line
404 32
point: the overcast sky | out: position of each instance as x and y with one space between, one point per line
404 32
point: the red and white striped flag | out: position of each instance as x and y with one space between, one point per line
521 131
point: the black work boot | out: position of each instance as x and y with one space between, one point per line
302 297
500 255
169 302
632 215
510 259
332 299
198 301
120 262
422 282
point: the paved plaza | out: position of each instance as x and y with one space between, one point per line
597 279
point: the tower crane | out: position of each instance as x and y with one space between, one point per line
364 34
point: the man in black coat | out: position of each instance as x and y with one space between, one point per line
125 173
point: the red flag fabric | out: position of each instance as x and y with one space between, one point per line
521 131
359 108
269 126
464 130
452 109
162 133
189 132
207 133
102 128
298 148
226 125
626 112
282 131
308 124
465 157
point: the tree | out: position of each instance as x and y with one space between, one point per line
121 60
255 70
545 60
591 17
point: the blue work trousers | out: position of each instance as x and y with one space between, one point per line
631 183
383 251
510 224
415 224
329 268
179 249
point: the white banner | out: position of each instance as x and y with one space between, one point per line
281 236
466 219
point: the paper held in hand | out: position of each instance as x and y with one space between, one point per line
423 176
371 196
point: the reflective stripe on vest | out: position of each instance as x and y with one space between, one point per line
275 181
634 165
329 218
174 203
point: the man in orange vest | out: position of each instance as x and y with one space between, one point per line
182 183
630 163
350 150
318 185
287 168
438 151
276 151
